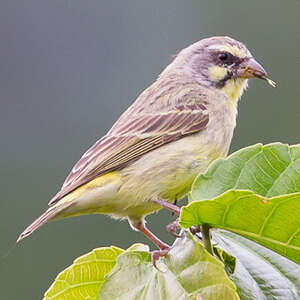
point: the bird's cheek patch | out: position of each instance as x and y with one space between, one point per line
217 73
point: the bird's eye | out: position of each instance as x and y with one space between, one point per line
223 56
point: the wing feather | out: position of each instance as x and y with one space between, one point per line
137 132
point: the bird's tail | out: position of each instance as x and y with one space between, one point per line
43 219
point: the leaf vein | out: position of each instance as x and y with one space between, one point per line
292 236
255 235
75 286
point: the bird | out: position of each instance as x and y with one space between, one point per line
171 133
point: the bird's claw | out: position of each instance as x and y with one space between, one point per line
172 228
155 255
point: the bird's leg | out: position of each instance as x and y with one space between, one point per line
175 203
173 208
140 226
164 248
172 228
176 210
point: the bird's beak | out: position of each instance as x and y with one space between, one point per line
250 68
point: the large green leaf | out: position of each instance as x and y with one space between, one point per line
272 222
260 273
269 170
83 279
187 272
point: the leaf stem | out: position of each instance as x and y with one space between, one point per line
206 238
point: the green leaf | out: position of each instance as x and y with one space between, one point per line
269 171
83 279
273 222
187 272
259 272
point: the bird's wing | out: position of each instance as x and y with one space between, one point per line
133 135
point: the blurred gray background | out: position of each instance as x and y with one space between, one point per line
68 68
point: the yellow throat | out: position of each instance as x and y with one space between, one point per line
233 88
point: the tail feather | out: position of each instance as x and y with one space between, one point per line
44 218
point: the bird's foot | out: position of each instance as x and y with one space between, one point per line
172 229
155 255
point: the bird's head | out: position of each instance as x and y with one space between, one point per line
221 63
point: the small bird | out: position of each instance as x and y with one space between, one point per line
170 134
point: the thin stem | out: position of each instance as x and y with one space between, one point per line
206 238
